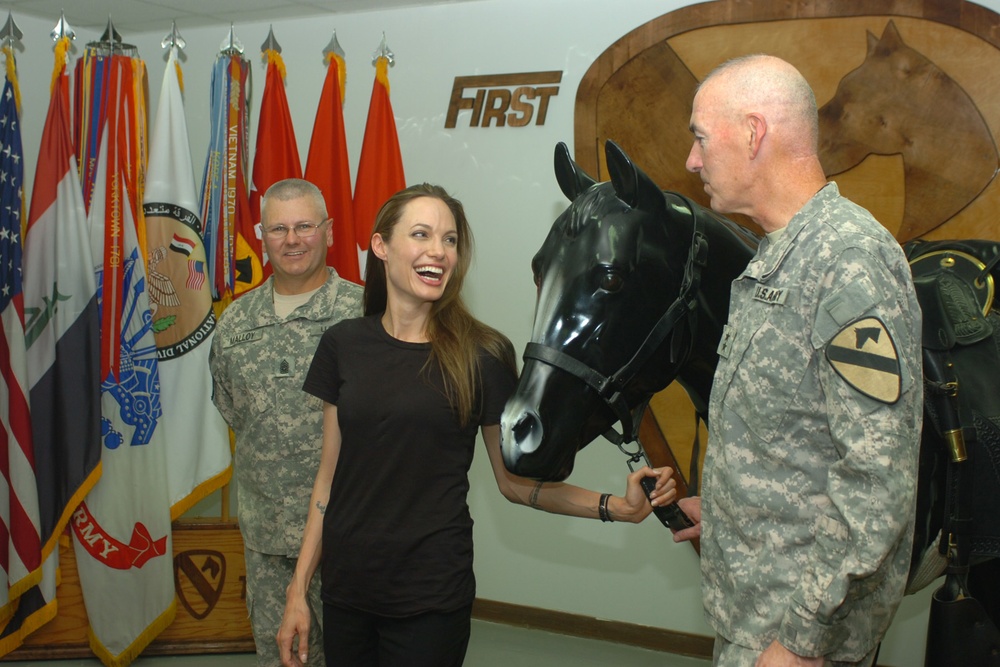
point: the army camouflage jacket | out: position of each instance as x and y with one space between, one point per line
814 422
258 363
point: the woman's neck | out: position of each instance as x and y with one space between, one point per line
407 324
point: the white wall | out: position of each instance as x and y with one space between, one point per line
504 176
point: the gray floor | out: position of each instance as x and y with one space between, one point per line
492 645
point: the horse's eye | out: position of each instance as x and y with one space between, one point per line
611 281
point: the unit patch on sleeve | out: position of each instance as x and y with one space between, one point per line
864 354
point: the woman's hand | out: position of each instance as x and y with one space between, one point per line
635 506
294 625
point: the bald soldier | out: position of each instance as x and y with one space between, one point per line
809 485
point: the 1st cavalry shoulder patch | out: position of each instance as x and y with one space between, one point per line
864 354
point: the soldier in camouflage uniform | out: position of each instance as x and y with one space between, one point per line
809 484
262 349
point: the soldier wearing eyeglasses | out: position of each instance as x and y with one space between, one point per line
263 345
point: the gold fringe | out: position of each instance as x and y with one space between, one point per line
275 58
341 72
382 72
180 76
62 46
18 589
200 492
32 623
12 77
71 506
133 651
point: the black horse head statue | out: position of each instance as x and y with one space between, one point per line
622 310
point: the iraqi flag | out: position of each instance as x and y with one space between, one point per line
121 531
380 169
197 437
327 167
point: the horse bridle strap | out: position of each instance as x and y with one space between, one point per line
609 388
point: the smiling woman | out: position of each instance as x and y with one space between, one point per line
405 390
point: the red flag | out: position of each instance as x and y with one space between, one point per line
276 156
327 167
380 169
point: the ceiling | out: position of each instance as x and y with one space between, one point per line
131 16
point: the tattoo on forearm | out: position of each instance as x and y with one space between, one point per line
533 499
321 507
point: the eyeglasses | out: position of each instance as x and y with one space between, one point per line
303 230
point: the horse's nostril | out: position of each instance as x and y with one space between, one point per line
527 432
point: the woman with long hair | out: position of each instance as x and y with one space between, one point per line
405 390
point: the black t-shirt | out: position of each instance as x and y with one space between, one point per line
397 534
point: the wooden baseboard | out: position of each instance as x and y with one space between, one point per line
643 636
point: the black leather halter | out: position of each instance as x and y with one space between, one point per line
610 388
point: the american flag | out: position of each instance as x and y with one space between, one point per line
11 177
20 546
196 274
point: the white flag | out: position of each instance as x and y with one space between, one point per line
121 531
180 297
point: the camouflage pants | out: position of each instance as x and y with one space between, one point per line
267 578
727 654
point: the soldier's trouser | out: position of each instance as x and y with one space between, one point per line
267 578
727 654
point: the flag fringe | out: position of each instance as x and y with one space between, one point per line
273 57
382 72
31 623
71 506
62 47
200 492
135 649
17 589
180 76
332 58
12 77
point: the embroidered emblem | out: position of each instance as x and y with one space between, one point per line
283 369
772 295
726 342
244 337
864 355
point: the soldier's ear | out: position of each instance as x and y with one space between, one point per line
757 128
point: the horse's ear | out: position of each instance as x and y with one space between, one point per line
572 180
631 184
